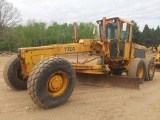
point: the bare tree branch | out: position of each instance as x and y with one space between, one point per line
9 15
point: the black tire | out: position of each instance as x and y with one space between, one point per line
150 69
12 74
39 82
137 69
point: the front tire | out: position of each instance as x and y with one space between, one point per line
137 69
51 82
12 74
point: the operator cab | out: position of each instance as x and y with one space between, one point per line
116 28
118 33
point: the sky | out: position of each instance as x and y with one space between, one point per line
69 11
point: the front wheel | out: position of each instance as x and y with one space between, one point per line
12 74
51 82
137 69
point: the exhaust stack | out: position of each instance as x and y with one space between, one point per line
75 33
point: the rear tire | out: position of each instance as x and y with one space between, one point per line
51 82
12 74
150 70
137 69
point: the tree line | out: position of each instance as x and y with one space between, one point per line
148 37
39 34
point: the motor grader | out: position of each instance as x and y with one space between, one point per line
156 58
50 80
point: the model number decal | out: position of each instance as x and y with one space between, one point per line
69 48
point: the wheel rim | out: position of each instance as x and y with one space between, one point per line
57 83
141 71
19 74
151 70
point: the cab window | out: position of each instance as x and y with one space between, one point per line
125 34
111 30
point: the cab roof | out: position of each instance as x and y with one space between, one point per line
125 21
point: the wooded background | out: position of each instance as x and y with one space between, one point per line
13 36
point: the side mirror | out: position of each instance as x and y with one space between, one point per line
124 27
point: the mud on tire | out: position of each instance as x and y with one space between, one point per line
137 69
12 74
51 82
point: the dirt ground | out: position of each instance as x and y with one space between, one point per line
86 103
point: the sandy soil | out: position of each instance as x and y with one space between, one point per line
86 103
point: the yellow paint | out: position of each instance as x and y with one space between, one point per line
29 57
141 71
91 71
127 50
151 70
156 58
57 84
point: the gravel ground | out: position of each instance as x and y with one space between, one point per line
86 103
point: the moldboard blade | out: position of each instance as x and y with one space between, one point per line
108 81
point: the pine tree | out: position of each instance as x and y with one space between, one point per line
135 33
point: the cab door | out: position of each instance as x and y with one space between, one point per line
124 43
111 35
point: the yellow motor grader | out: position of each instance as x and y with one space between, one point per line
157 58
50 80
